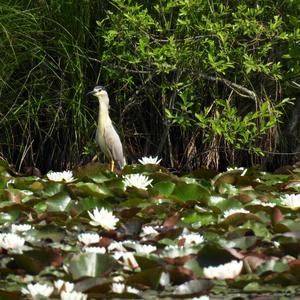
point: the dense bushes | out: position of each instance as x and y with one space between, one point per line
221 73
194 82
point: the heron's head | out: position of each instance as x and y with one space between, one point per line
98 91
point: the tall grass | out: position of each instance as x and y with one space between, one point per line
45 46
52 51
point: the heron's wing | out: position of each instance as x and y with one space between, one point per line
114 145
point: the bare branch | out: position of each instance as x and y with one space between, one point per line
236 87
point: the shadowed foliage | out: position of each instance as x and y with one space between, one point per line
194 82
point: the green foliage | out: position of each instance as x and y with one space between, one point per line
187 79
44 50
218 65
190 223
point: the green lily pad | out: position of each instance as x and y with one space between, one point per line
58 202
164 188
91 265
149 277
94 189
187 192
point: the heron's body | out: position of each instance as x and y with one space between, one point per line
106 135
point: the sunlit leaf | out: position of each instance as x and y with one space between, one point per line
58 202
91 265
164 188
187 192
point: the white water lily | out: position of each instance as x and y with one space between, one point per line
89 238
244 170
11 241
226 271
189 287
216 199
149 232
116 246
118 278
103 218
99 250
37 290
232 211
144 249
137 180
178 251
132 290
62 285
164 279
127 259
192 238
149 160
262 203
20 227
66 176
117 255
118 287
73 295
292 201
121 288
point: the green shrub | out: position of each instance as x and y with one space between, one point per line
209 67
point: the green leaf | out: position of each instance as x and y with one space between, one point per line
91 265
188 192
164 188
58 202
149 277
94 189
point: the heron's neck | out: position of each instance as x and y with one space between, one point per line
103 118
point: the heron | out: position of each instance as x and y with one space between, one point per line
106 135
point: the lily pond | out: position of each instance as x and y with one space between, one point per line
146 233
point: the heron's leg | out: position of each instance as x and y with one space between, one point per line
112 165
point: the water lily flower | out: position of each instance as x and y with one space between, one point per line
132 290
128 260
226 271
20 228
73 295
117 255
11 241
66 176
118 287
178 251
149 160
118 278
232 211
144 249
192 238
189 287
262 203
164 279
121 288
89 238
37 290
137 180
62 285
99 250
292 201
149 231
244 170
103 218
117 246
216 199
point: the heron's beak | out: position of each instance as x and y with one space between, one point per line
91 93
